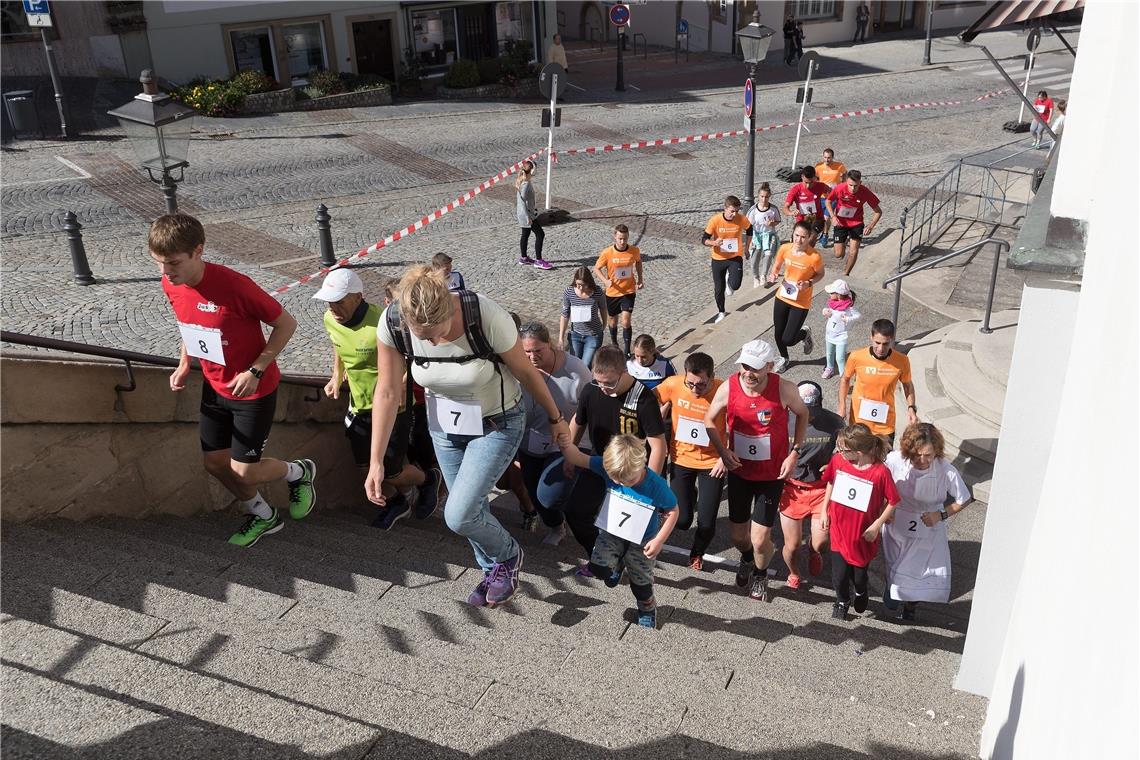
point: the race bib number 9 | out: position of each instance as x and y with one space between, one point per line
454 417
581 313
730 245
846 212
691 431
873 411
851 491
757 448
203 343
623 517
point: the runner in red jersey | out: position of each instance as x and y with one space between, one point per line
220 313
756 401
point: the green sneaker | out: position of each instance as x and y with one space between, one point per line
302 493
256 527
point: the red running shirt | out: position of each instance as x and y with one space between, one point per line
848 523
801 198
757 425
231 305
849 205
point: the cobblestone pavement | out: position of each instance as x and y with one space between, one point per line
255 185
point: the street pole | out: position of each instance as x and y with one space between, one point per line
929 31
800 125
550 137
620 61
1025 88
169 192
55 84
750 164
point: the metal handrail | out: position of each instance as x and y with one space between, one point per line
127 357
898 278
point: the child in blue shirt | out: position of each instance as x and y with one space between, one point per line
442 262
632 531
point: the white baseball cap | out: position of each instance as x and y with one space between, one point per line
756 353
839 287
338 284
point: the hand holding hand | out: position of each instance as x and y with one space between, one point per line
718 470
731 461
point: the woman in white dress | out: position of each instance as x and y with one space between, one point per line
915 545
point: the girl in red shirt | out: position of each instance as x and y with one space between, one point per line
860 499
1044 106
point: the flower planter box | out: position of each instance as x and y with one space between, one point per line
527 88
270 102
286 100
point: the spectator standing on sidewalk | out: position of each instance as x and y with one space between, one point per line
527 214
862 17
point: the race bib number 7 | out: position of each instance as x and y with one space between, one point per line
454 417
623 517
851 491
203 343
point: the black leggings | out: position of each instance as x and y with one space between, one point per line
539 236
841 576
788 321
735 270
698 486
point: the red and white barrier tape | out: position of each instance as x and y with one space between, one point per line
738 132
411 228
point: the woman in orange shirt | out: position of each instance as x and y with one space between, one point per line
803 267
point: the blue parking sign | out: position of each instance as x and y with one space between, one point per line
36 6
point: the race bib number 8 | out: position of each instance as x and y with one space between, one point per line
691 431
581 313
873 411
757 448
203 342
846 212
623 517
729 245
454 417
851 491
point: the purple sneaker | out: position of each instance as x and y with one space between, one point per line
583 571
478 597
526 260
542 264
503 580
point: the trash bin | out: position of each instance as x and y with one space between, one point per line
21 107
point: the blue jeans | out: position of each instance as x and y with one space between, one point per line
836 355
584 346
471 465
532 468
578 497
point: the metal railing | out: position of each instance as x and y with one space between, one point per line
135 357
898 278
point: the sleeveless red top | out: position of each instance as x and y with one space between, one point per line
758 416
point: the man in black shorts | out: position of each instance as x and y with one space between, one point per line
618 268
845 204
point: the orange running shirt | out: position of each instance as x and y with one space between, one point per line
687 409
829 175
875 382
732 231
621 269
798 267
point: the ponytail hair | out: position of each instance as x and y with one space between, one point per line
860 438
524 173
425 300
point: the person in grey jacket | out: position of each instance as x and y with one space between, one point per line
528 218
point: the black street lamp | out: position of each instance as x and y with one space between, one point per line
755 39
159 131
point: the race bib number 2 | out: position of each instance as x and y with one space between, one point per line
203 343
454 417
623 517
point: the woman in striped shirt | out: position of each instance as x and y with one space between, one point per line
583 315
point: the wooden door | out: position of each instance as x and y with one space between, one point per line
373 41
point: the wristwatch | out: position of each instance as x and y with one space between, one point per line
556 420
944 515
799 450
256 372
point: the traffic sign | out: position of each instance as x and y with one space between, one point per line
683 26
546 77
1031 42
619 15
811 58
37 12
748 98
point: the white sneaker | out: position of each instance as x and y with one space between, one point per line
755 282
719 317
780 364
555 535
728 290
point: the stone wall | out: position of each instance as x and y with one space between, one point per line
286 100
528 88
73 446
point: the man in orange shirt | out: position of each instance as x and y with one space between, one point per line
803 268
877 370
830 172
622 278
725 235
696 474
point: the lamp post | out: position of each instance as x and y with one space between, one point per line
755 39
159 131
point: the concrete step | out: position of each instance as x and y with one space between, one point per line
974 368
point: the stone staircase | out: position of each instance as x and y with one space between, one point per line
155 638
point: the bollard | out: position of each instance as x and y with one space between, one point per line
324 230
79 263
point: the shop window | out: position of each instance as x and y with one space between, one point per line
305 50
806 10
434 37
253 51
514 21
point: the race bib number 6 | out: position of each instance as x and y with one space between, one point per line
623 273
851 491
691 431
454 417
729 245
873 411
203 342
623 517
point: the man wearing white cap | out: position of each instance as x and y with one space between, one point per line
755 402
351 324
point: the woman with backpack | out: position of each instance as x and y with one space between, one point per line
464 350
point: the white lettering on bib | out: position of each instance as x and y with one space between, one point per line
623 517
851 491
873 411
729 245
757 448
846 212
581 313
623 273
807 209
691 431
203 342
454 417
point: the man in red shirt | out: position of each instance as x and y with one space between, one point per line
845 204
805 201
220 313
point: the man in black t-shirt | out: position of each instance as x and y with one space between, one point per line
614 403
803 492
